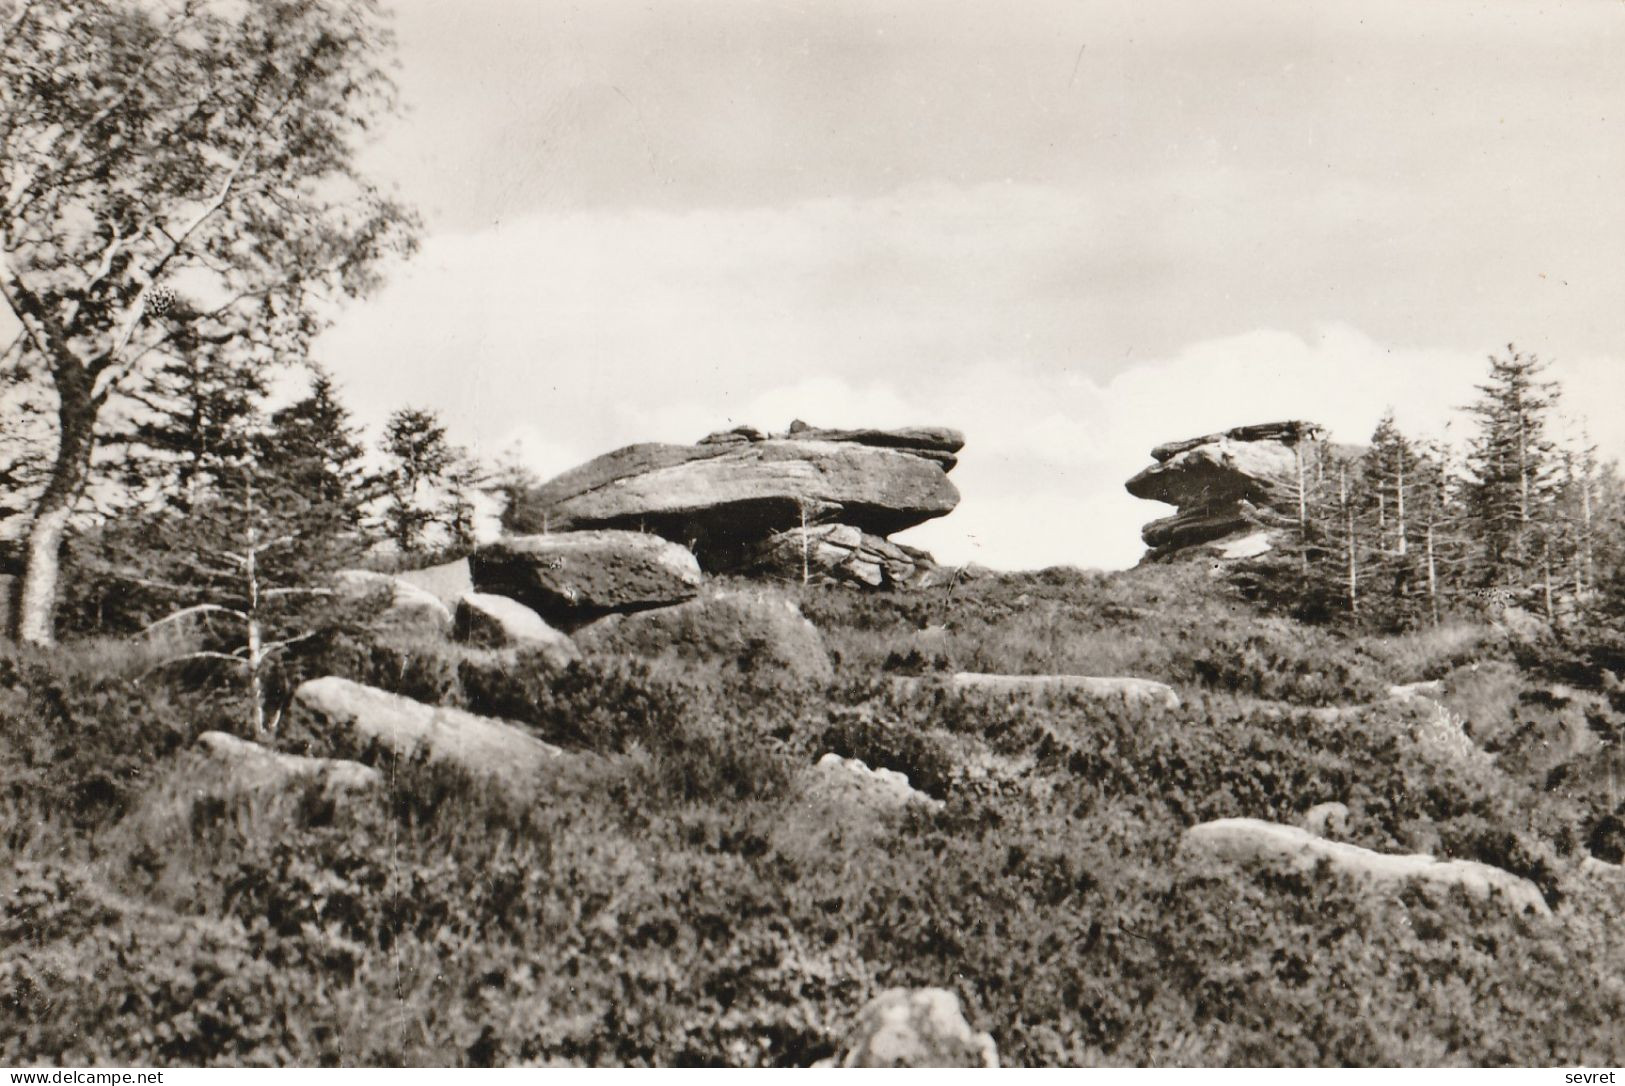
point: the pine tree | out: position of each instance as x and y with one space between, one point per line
1514 469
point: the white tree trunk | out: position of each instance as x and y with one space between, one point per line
36 608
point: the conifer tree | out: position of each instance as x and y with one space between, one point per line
420 460
189 416
313 443
1514 469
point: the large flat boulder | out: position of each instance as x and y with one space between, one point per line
914 1027
570 578
730 491
1252 841
497 622
740 629
480 745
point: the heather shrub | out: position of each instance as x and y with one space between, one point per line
671 896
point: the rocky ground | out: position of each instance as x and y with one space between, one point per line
697 766
1043 819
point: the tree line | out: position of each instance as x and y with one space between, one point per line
1409 531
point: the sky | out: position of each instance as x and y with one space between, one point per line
1072 229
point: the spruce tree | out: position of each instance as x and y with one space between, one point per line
313 444
191 414
427 483
1514 470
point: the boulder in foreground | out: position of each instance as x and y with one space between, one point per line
914 1027
570 578
480 745
1252 841
223 769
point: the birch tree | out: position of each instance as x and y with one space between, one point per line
177 169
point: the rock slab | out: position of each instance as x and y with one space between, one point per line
1253 841
745 630
1131 691
410 608
252 767
914 1027
480 745
497 622
570 578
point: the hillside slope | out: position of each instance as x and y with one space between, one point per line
683 891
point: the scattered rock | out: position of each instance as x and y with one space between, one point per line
480 745
222 768
1433 688
733 491
1233 490
918 1027
411 608
570 578
497 622
1250 840
851 781
446 582
253 766
1329 820
745 630
1132 691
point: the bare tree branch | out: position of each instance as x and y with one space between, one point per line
195 656
196 610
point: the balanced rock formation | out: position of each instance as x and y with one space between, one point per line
918 1027
733 492
1249 840
480 745
570 578
497 622
747 630
1232 489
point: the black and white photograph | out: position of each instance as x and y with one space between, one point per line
581 534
